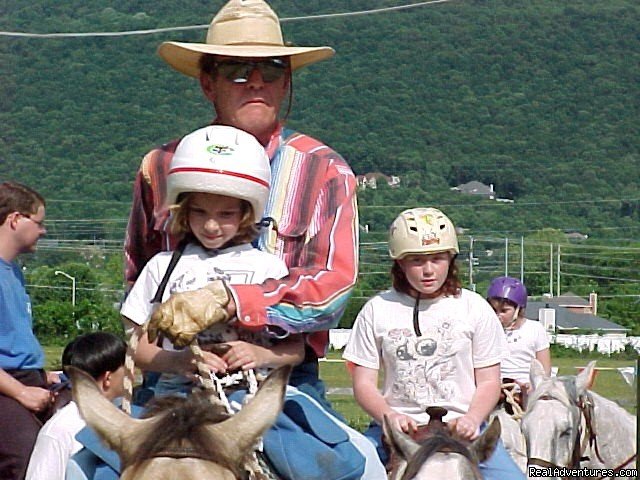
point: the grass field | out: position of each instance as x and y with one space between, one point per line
608 383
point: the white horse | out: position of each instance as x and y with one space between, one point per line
568 426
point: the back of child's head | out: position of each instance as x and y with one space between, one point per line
423 231
96 353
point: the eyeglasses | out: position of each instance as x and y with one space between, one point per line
39 223
239 71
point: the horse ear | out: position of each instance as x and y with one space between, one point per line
111 423
240 433
399 441
536 373
584 380
484 446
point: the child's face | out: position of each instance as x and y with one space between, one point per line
506 311
426 273
214 219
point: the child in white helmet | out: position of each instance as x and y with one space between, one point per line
438 344
218 184
217 187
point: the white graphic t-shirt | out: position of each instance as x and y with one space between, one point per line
523 344
197 267
436 369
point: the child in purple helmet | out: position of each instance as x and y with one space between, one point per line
526 339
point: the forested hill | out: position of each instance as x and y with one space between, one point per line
538 97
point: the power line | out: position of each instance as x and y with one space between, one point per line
202 27
509 204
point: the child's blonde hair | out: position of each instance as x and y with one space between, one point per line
179 224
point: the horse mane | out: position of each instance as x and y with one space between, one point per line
179 425
437 443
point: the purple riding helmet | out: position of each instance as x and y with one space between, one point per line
508 288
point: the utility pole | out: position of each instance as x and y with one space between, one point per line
471 285
551 269
558 273
522 259
506 256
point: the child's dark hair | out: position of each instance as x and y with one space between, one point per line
96 353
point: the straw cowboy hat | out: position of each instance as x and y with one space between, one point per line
242 28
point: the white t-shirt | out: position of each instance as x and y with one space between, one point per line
55 444
196 268
436 369
523 344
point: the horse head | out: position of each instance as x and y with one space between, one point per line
439 455
552 423
187 438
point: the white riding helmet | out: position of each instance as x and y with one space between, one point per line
422 230
222 160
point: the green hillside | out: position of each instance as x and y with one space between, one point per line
539 98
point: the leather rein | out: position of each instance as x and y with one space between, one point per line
586 407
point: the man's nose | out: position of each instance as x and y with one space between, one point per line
255 78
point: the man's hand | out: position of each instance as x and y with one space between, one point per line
185 314
35 399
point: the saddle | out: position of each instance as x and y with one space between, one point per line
435 426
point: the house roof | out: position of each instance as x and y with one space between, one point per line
474 187
375 175
566 300
568 320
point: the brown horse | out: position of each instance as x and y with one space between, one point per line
193 438
438 454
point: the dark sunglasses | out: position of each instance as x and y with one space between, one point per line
239 71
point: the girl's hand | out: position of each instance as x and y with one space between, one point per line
243 355
402 422
189 368
35 399
465 427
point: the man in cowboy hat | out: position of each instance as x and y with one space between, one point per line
244 69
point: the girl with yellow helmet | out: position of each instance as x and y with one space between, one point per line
437 343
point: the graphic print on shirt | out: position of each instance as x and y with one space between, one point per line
424 365
512 336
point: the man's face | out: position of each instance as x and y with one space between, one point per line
252 106
30 229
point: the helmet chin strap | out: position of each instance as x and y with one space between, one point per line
514 319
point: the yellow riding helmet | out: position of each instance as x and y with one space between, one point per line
422 230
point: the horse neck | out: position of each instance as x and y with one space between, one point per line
615 432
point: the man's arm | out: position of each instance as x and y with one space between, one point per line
145 235
314 295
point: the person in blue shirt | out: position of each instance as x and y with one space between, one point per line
25 400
